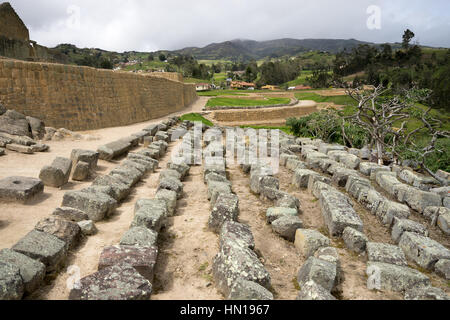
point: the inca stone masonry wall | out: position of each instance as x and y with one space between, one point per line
83 98
11 26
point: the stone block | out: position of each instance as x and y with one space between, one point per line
308 242
20 188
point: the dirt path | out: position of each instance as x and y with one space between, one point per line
187 247
280 257
87 254
354 280
16 220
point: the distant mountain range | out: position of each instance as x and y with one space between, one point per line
249 49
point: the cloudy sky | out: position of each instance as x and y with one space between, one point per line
150 25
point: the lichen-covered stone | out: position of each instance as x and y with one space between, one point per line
43 247
235 262
248 291
65 230
404 225
338 212
287 226
428 293
11 284
301 177
390 277
118 282
386 253
95 205
320 271
120 189
308 241
442 268
20 188
278 212
355 240
311 291
87 227
171 184
150 213
57 174
87 156
31 271
170 197
422 250
81 171
169 173
443 221
113 150
226 208
143 259
182 168
238 233
70 214
139 236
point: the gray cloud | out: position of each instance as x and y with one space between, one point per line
124 25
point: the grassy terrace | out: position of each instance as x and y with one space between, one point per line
216 93
236 102
282 128
195 117
339 100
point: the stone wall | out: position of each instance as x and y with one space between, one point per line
11 26
262 115
83 98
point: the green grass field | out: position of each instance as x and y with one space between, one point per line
282 128
195 117
216 93
236 102
339 100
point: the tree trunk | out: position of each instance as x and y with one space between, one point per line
380 153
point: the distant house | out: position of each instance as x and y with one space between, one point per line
270 87
300 87
242 85
203 87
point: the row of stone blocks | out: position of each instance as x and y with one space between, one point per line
126 271
43 250
237 270
384 273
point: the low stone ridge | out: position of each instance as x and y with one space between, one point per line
20 188
143 259
43 247
57 174
171 184
118 282
275 213
404 225
31 271
121 190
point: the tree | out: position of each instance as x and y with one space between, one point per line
162 57
407 37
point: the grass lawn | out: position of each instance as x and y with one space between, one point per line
285 129
236 102
339 100
301 79
195 117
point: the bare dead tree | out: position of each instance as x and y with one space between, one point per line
377 116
